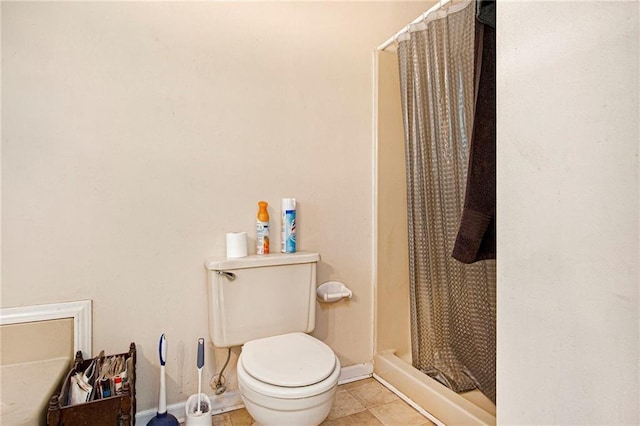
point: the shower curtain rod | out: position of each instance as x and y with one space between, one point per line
415 21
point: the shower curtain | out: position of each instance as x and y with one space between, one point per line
453 304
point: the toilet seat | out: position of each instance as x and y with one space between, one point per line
256 389
296 353
289 360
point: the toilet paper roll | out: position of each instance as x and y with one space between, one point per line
236 244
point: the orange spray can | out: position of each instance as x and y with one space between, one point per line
262 229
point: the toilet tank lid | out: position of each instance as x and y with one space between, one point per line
259 260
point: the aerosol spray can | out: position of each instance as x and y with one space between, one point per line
288 225
262 229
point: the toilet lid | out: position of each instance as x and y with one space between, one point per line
290 360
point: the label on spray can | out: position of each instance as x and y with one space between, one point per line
290 231
262 237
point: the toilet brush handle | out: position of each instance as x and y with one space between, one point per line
200 352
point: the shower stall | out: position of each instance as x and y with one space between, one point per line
395 251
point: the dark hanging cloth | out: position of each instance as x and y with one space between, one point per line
486 12
476 238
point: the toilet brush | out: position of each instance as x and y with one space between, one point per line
200 365
162 417
198 408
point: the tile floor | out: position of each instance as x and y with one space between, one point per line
364 402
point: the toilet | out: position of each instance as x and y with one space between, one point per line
266 303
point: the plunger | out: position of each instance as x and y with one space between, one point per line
162 417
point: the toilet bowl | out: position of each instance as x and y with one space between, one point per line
289 379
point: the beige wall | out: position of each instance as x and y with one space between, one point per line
392 281
568 109
136 134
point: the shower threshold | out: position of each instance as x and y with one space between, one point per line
440 402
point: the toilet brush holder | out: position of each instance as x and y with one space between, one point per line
195 418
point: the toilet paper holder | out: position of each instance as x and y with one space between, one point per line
332 291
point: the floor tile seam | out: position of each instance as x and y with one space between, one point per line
367 404
349 414
403 404
346 415
358 383
351 419
360 401
381 420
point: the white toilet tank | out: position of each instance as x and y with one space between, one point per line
261 296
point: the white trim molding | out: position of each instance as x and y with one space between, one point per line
352 373
80 311
228 401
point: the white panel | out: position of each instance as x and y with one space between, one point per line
568 257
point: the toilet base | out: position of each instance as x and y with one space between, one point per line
291 412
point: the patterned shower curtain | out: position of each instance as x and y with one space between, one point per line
453 305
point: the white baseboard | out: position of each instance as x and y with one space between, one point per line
228 401
355 372
231 400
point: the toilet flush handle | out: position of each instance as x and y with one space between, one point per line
228 275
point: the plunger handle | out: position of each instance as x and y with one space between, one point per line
162 351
